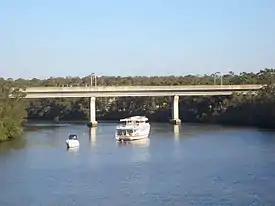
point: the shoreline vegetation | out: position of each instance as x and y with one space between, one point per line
237 110
12 110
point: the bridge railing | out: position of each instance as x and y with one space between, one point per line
145 88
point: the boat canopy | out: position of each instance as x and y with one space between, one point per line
135 118
73 137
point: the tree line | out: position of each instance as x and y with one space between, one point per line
237 109
12 110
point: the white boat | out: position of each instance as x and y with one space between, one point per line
133 128
72 141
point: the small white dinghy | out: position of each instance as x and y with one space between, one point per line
72 141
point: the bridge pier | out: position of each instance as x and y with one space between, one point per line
92 122
175 111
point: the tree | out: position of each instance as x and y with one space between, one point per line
12 110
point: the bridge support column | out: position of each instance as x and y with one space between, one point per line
175 111
93 122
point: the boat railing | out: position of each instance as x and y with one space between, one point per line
132 123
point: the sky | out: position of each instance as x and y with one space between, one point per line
49 38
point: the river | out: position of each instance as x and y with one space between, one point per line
186 165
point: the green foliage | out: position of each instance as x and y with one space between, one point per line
12 110
250 109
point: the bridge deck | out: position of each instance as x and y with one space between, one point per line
113 91
145 88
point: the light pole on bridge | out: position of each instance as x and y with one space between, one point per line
93 76
215 76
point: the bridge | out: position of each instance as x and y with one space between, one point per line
126 91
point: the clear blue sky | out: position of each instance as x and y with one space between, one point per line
43 38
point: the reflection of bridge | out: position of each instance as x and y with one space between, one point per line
92 135
126 91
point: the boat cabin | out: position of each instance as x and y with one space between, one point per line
73 137
129 126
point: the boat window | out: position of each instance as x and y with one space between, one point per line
72 137
125 132
119 132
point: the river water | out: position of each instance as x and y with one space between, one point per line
186 165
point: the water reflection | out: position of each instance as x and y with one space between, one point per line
32 126
176 131
73 150
135 143
92 135
139 149
13 144
176 149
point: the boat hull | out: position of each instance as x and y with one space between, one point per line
72 143
131 138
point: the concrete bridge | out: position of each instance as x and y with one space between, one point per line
126 91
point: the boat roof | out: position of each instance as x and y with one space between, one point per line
135 118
